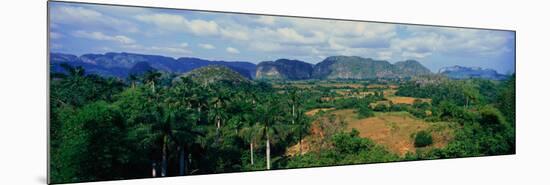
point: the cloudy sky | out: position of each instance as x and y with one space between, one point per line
83 28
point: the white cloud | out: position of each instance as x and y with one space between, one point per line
201 27
174 51
267 20
239 34
207 46
171 22
103 37
86 17
74 14
417 47
425 41
273 36
163 20
298 36
177 50
266 46
232 50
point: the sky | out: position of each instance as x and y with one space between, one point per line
86 28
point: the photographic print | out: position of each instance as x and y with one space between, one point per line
142 92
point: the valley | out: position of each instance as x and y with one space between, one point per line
190 116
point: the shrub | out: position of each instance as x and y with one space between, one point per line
381 108
423 139
365 111
491 116
350 143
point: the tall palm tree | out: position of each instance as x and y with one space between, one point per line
245 118
151 77
301 124
251 132
219 100
294 102
182 118
270 115
133 79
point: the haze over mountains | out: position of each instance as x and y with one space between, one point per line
334 67
121 64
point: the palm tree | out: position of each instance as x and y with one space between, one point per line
470 93
220 99
294 102
182 118
150 77
251 134
245 118
133 79
251 130
269 115
301 125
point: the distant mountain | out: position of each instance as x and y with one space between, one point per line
91 68
120 64
284 69
461 72
353 67
246 69
335 67
411 68
140 68
214 73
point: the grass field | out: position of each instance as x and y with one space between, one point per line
406 100
394 130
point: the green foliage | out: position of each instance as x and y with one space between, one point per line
365 111
488 134
422 139
381 107
350 143
213 74
506 99
91 147
104 129
348 148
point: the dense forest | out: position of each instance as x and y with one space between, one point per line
158 124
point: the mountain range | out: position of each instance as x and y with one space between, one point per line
460 72
122 65
353 67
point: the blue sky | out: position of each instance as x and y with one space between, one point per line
84 28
